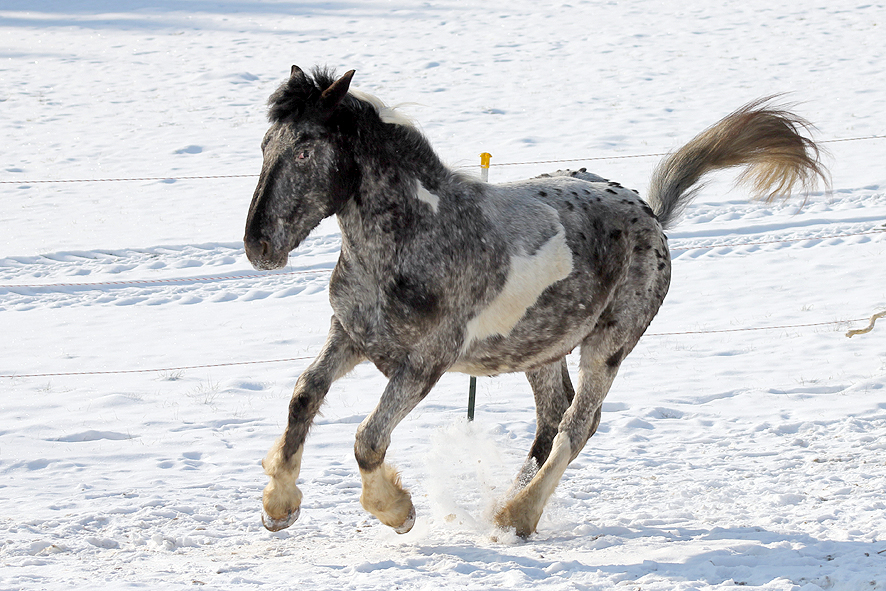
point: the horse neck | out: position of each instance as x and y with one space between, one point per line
408 153
385 210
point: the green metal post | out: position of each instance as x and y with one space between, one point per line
472 397
485 157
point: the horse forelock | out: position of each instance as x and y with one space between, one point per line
291 98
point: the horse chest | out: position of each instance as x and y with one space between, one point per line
384 308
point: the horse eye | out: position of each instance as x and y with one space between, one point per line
302 155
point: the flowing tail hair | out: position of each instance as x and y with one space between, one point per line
766 140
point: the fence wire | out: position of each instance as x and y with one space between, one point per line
254 175
291 359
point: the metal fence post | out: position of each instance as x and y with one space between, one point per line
485 158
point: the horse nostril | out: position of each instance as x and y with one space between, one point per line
265 248
258 248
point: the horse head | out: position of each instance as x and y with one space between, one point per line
308 172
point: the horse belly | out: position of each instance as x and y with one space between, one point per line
522 351
551 327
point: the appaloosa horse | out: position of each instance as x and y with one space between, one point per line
441 272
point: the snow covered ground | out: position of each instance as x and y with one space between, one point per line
727 457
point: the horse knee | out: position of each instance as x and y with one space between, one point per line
369 449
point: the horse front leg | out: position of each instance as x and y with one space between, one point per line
383 495
281 499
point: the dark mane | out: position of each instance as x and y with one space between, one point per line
289 99
294 96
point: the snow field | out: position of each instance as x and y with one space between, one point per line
724 459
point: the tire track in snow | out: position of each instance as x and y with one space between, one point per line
188 274
219 272
193 274
743 243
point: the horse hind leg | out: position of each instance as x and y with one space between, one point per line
553 392
597 370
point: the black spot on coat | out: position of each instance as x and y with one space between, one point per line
615 359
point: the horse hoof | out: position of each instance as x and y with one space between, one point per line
272 524
407 525
506 521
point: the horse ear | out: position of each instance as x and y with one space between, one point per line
296 72
333 95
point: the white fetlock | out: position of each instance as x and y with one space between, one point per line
385 497
281 499
524 510
281 504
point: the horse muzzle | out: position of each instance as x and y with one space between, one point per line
263 255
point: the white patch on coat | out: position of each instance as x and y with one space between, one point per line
528 277
428 197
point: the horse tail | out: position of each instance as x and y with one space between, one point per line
766 140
